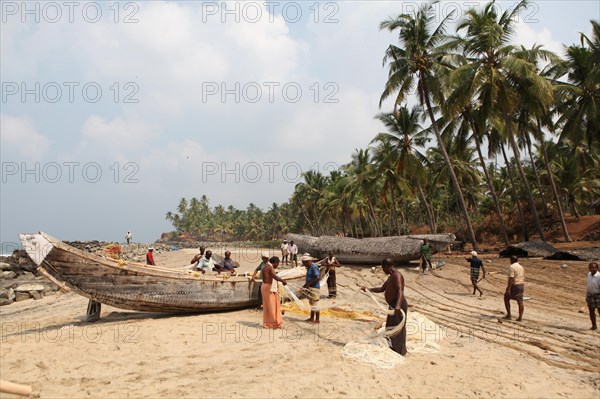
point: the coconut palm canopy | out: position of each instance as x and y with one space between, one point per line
503 141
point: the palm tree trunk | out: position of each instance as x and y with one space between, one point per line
429 212
553 185
489 184
516 194
457 190
515 148
537 176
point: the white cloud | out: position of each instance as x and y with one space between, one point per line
20 135
527 36
118 133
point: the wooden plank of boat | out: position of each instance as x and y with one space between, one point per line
134 286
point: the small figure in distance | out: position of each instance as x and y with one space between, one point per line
331 262
150 256
593 293
128 237
476 264
284 252
293 251
515 287
426 256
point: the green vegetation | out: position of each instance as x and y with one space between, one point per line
477 91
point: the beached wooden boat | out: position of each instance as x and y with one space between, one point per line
134 286
401 249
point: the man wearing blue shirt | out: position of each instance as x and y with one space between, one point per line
312 286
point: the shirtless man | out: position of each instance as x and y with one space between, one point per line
393 290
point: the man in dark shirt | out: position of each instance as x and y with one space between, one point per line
476 264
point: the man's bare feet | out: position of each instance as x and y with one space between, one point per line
316 322
519 319
594 328
309 320
507 317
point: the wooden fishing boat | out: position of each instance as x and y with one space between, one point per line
134 286
401 249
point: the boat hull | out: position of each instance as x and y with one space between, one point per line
134 286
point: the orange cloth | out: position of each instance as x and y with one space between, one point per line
271 307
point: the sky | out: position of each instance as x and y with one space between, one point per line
113 111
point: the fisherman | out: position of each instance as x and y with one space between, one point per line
150 256
331 262
128 237
312 287
272 317
265 259
206 263
593 293
196 259
425 256
515 287
284 252
476 264
393 290
226 265
293 251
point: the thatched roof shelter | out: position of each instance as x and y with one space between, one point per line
370 250
531 249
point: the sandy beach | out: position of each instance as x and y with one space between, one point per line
126 354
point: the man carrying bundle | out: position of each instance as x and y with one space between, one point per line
393 290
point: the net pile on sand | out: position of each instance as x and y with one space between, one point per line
375 350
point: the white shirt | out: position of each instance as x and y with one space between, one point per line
293 249
593 283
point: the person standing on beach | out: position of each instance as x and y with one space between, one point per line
425 256
312 287
476 264
284 252
593 293
331 262
393 290
272 317
150 257
293 251
265 259
128 237
515 288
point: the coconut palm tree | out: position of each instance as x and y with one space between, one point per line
419 62
398 158
499 78
580 119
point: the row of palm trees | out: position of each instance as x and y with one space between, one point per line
492 109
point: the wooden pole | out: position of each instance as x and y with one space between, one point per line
17 389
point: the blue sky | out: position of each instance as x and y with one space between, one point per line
111 112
